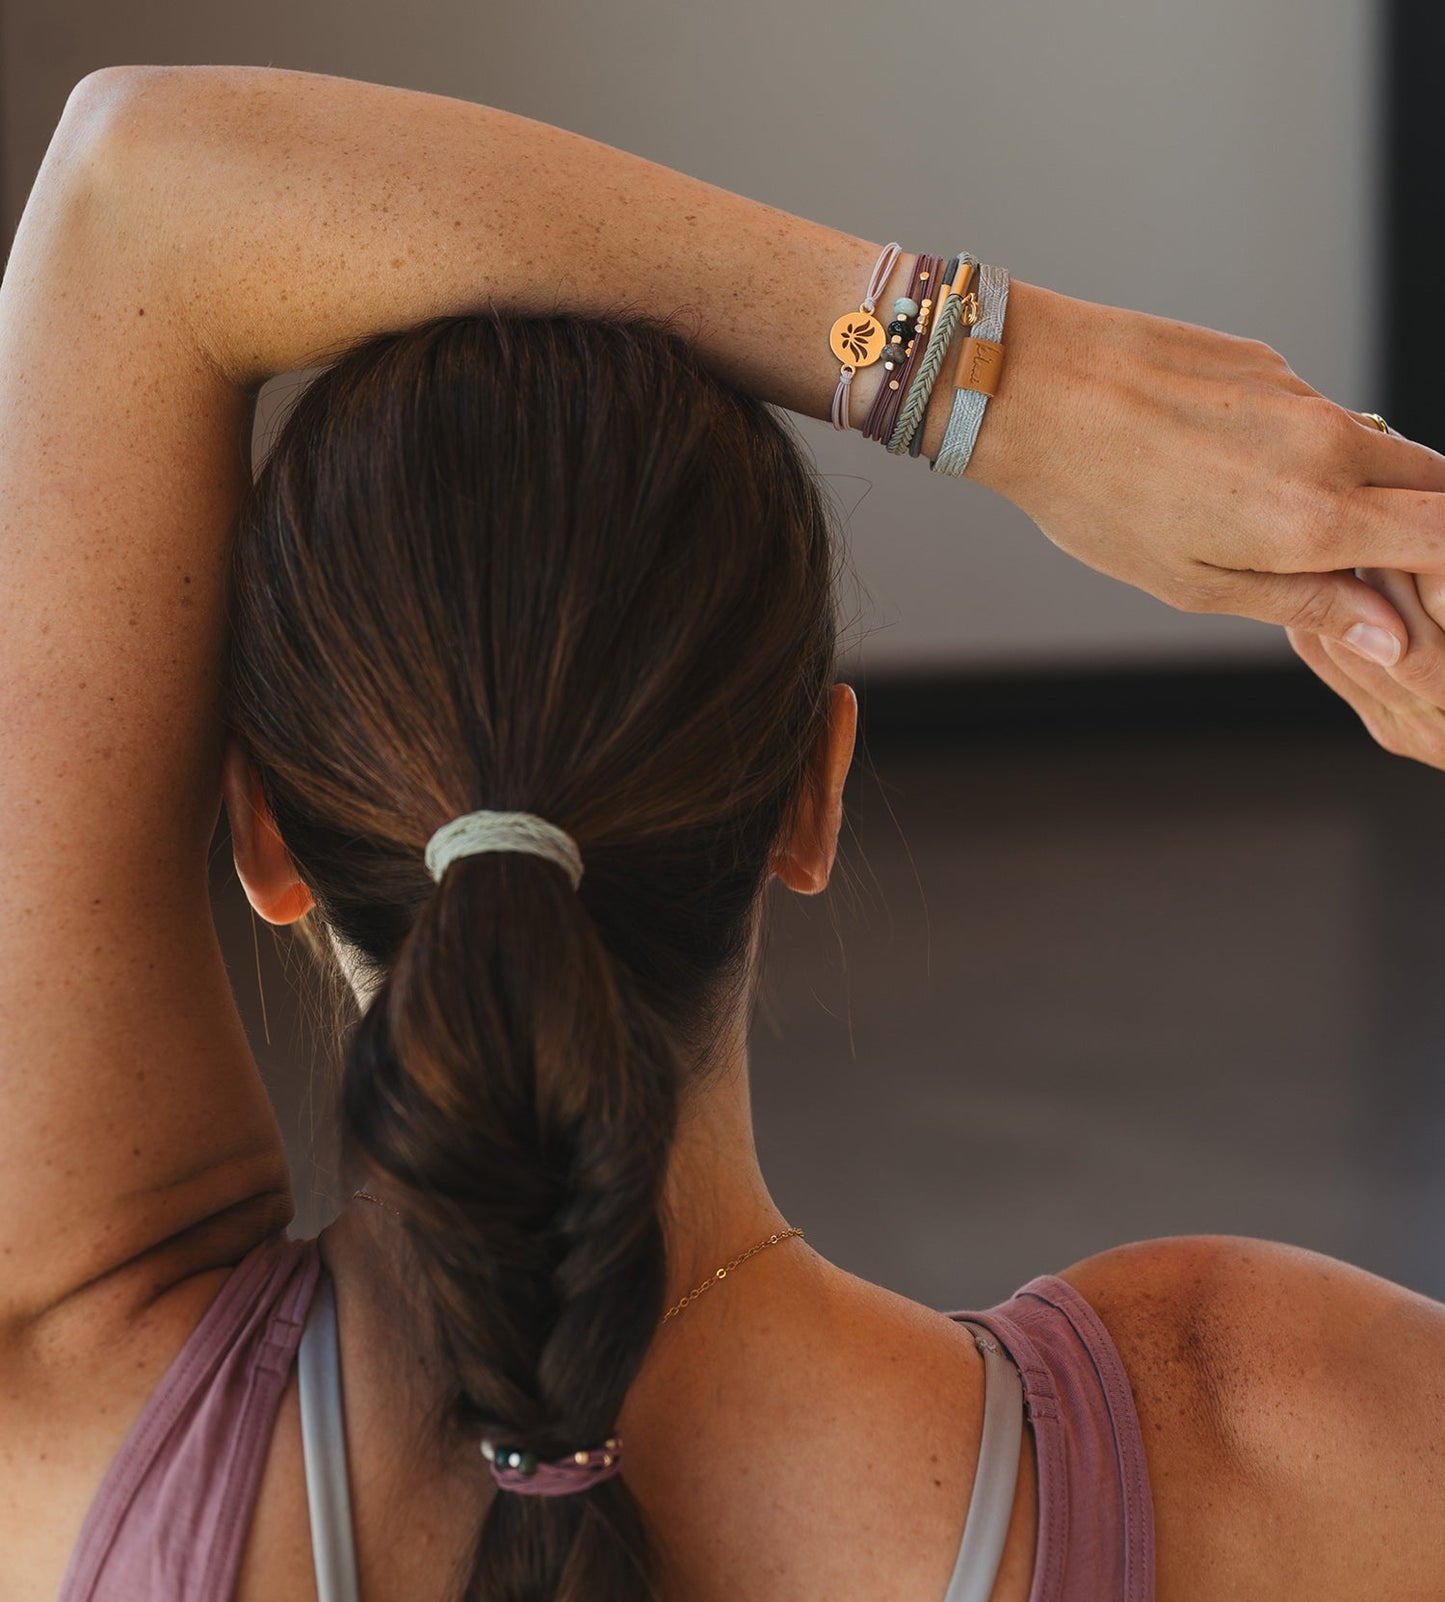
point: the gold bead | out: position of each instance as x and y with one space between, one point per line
607 1460
583 1458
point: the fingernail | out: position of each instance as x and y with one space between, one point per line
1379 645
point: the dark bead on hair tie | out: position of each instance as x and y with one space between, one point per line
521 1471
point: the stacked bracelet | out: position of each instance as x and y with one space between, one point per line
976 373
858 338
953 301
914 346
912 313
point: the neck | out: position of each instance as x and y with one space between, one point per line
715 1206
716 1202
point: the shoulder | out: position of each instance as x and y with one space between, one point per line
1234 1320
1292 1406
1236 1337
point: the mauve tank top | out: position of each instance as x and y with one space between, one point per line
169 1521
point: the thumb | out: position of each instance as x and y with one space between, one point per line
1336 606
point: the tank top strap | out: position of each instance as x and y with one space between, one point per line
323 1443
990 1508
323 1446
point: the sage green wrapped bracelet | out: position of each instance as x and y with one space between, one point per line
945 323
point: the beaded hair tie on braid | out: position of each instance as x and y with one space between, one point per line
527 1475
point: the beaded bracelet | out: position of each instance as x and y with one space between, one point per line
896 337
921 372
896 351
975 376
955 300
911 315
857 338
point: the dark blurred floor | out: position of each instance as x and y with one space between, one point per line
1069 992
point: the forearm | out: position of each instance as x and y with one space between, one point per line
284 216
296 213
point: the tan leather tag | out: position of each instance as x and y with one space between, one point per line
980 361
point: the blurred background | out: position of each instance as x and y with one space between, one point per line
1134 931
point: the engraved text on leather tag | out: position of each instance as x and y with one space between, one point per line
980 361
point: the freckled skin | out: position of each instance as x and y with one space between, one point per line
1292 1410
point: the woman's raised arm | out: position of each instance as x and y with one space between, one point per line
293 213
193 230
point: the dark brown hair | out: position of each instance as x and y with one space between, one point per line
549 565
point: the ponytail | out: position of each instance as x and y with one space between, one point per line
520 1106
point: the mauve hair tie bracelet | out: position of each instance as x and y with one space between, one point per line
911 314
857 338
933 304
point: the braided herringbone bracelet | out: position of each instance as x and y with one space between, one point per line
956 302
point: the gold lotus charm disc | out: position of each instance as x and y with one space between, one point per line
858 339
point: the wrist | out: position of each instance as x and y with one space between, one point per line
1038 338
1035 333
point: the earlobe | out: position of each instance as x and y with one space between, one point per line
263 863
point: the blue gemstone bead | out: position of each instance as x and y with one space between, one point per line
904 307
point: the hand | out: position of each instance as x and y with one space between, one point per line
1198 467
1403 708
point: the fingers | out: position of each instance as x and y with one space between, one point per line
1338 606
1399 722
1420 672
1431 589
1370 710
1402 708
1391 461
1402 528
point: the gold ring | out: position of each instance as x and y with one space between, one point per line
1377 420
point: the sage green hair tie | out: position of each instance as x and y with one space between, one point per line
475 832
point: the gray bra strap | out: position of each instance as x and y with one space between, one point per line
991 1505
323 1445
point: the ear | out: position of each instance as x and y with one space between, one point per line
263 863
804 859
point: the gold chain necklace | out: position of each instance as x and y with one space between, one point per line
692 1295
722 1273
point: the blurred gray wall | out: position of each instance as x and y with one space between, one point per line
1208 162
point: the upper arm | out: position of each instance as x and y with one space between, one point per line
1293 1410
130 1104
